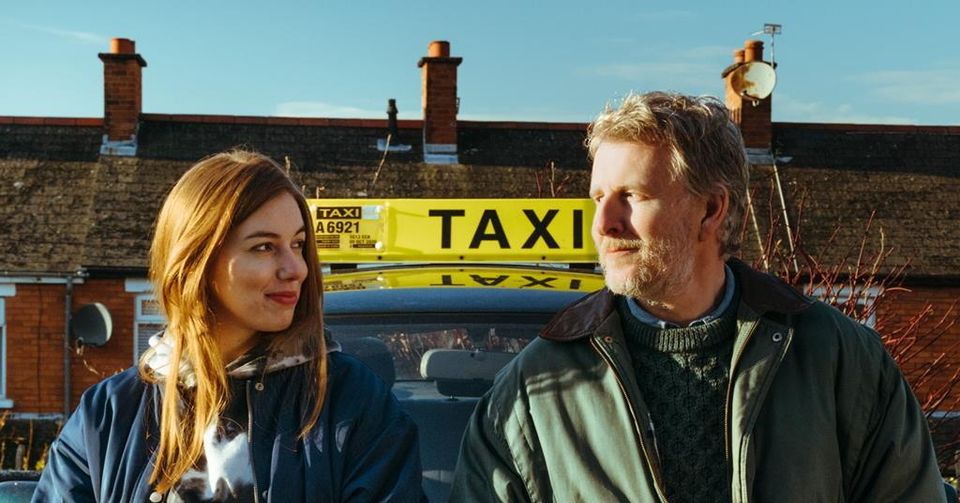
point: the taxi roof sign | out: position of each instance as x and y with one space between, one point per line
453 230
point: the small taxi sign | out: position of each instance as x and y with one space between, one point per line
453 230
469 277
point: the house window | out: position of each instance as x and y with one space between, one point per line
5 403
148 320
863 298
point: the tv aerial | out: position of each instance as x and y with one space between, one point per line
773 30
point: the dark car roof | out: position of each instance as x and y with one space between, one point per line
448 300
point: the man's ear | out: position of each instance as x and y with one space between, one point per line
715 212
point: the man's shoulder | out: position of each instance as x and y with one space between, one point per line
580 319
825 329
546 361
825 318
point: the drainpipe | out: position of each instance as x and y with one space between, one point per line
67 313
82 274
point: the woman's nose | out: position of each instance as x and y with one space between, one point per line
293 266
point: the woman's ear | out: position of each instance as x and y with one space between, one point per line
715 212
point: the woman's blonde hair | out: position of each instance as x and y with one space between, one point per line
210 199
704 147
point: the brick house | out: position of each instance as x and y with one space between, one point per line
79 196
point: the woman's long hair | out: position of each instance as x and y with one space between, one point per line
213 197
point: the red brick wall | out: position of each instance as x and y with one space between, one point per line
894 317
35 327
35 340
93 364
34 348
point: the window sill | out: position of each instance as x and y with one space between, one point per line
6 403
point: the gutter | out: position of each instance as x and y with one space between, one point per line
67 314
67 318
42 277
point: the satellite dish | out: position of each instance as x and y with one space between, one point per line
754 80
92 324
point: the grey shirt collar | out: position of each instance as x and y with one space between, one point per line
729 287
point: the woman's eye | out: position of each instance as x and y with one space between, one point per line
263 247
299 244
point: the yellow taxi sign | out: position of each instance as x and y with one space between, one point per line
453 230
470 277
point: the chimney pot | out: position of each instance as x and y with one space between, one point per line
122 46
752 50
738 56
439 49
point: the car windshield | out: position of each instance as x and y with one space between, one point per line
408 337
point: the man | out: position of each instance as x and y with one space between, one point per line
692 377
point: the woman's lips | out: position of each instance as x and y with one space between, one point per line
284 298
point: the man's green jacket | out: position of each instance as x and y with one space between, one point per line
816 410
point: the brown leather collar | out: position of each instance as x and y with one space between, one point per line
761 292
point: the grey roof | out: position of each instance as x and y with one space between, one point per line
67 207
906 179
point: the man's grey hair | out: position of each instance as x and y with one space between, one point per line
704 147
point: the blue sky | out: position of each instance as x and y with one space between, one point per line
839 61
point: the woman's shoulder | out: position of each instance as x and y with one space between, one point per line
353 388
346 369
122 388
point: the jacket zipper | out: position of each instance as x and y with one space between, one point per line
733 368
253 469
654 469
727 447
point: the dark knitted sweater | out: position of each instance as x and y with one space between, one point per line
683 375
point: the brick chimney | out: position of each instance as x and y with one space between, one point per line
122 97
752 116
440 103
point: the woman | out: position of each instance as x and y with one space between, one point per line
258 409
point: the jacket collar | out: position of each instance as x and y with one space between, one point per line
762 292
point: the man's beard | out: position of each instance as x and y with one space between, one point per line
653 272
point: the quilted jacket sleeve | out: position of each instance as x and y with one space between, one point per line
485 470
897 461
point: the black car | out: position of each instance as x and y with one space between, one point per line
439 334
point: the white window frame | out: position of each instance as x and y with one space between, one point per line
140 318
5 403
865 295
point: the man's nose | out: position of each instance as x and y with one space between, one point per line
608 219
